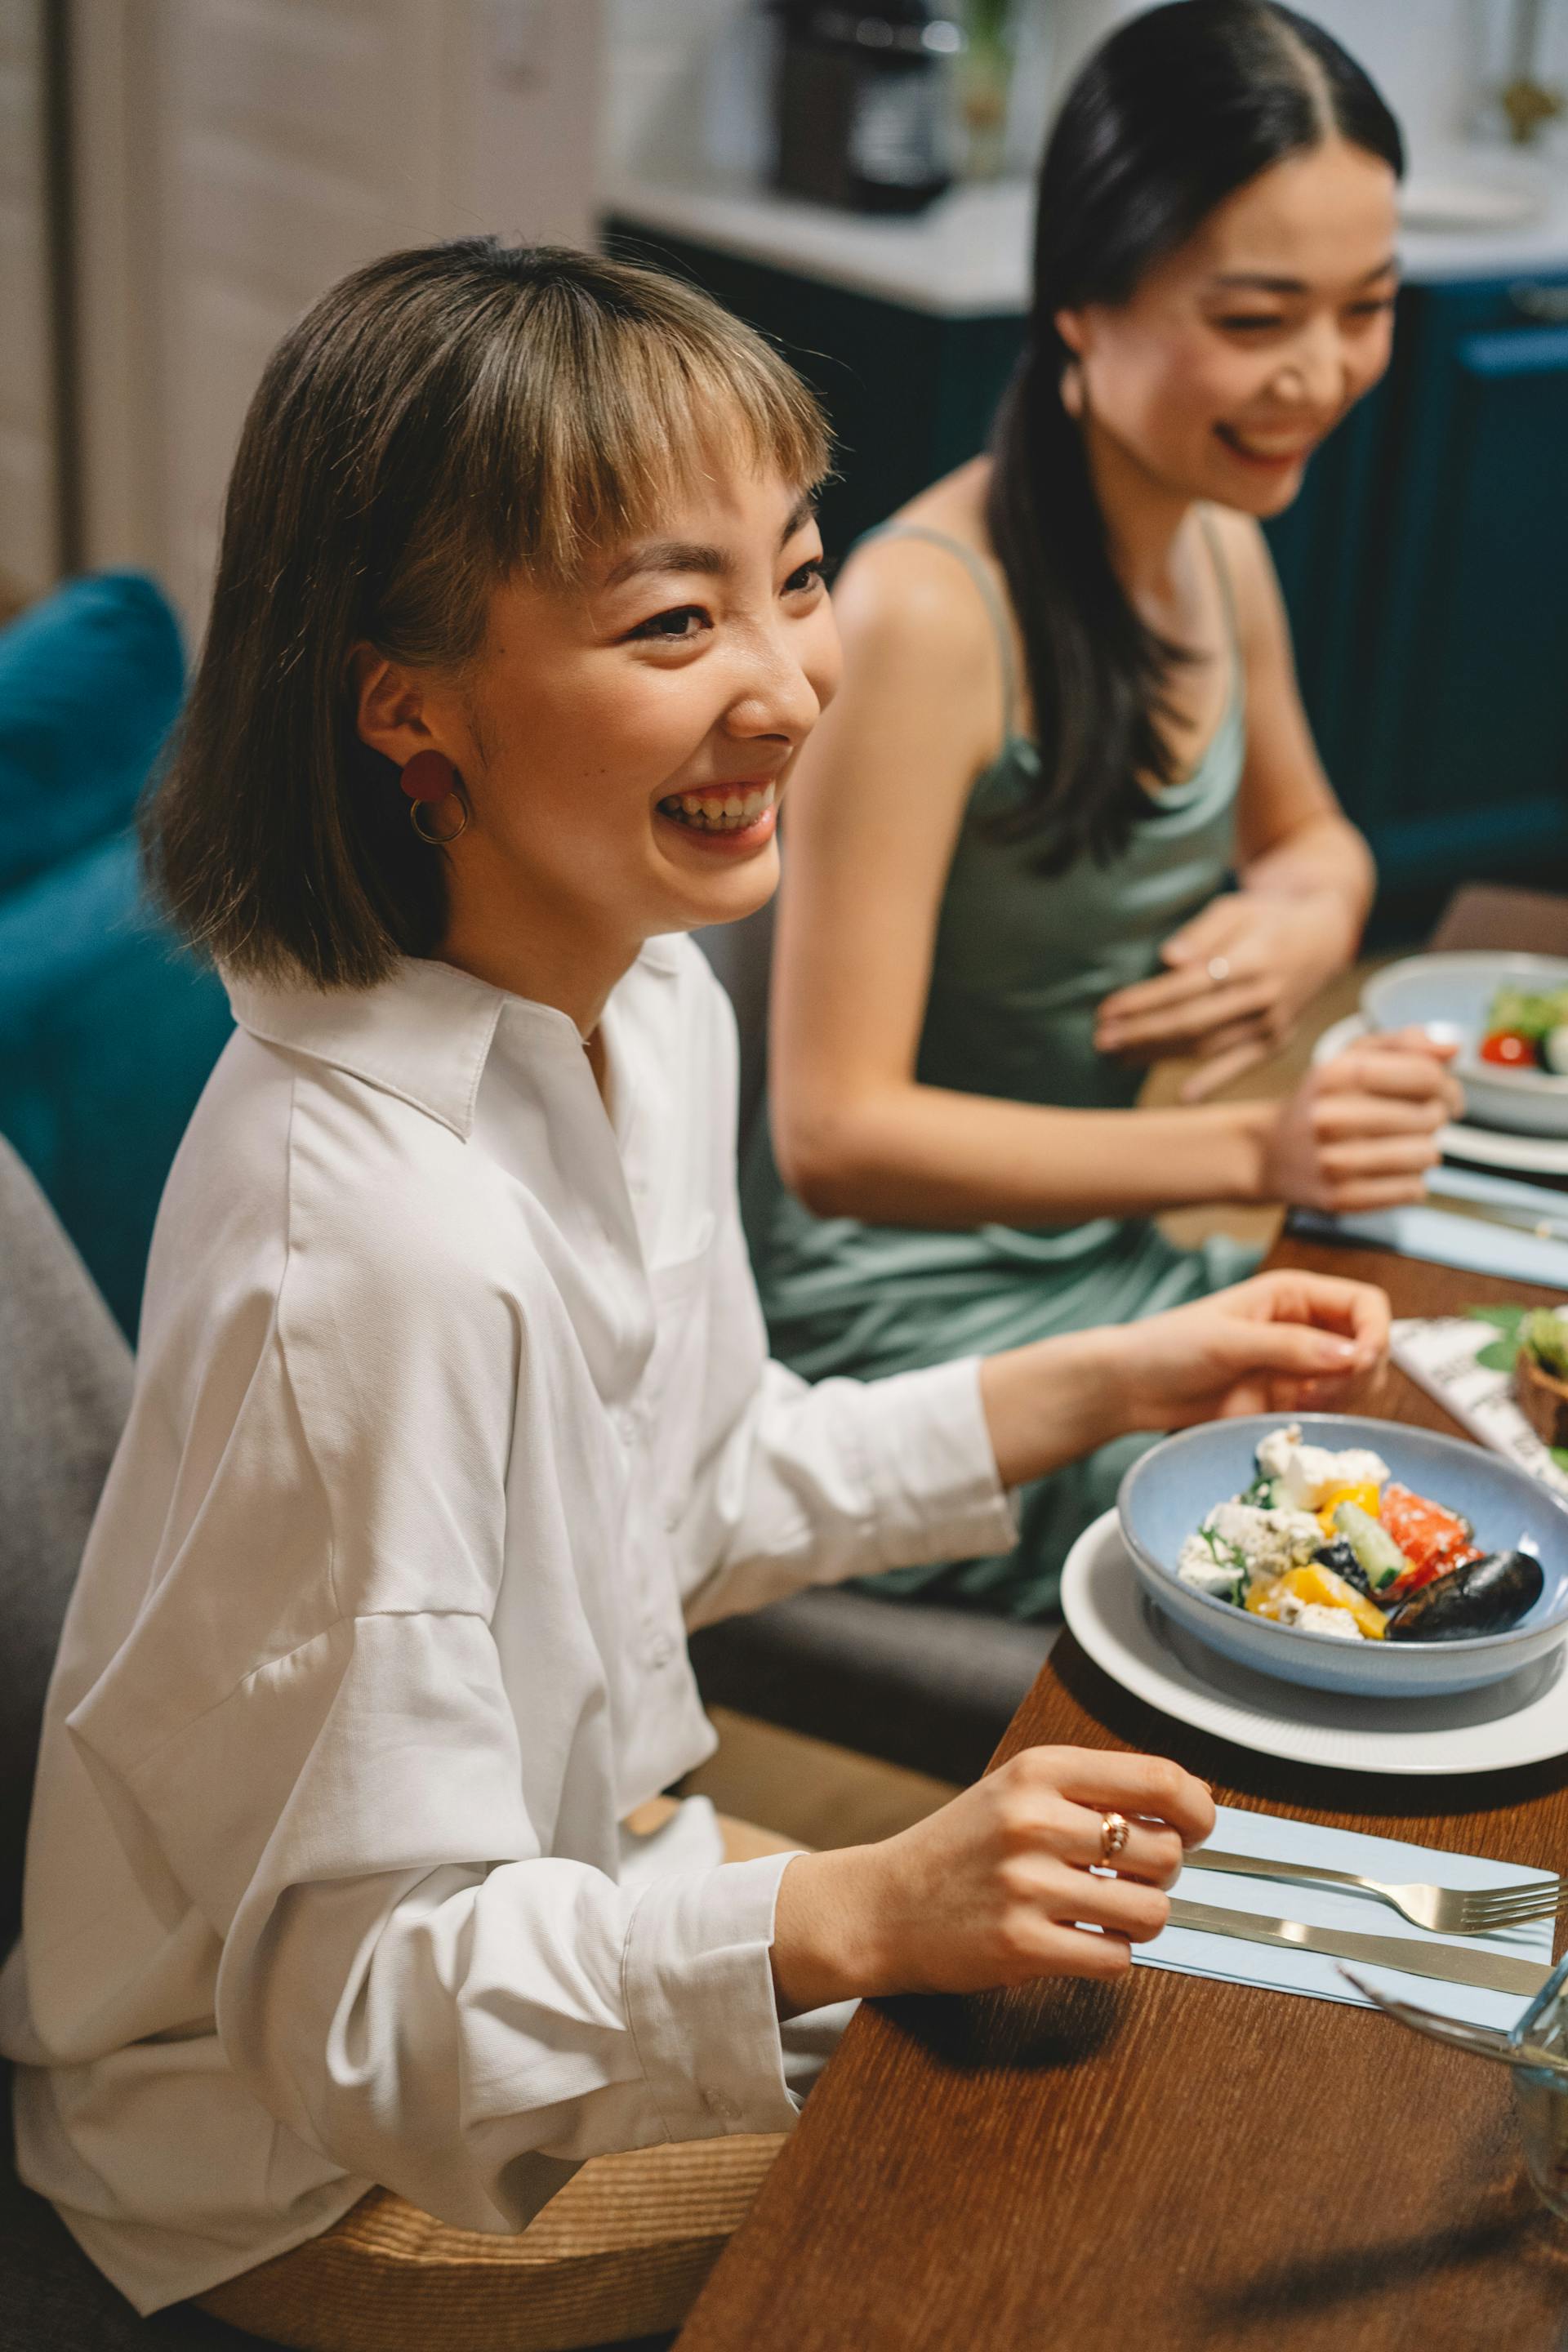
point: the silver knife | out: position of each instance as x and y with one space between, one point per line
1495 1972
1546 1226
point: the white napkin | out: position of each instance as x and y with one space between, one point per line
1272 1837
1439 1352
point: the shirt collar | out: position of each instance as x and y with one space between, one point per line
424 1034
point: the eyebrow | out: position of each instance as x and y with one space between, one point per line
1259 282
673 555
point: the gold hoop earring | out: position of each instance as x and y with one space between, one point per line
417 809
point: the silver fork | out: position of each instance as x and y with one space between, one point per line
1444 1910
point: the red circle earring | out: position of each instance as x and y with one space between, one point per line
429 778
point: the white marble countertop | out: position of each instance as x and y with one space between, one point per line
968 255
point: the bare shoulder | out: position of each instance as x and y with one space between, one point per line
909 602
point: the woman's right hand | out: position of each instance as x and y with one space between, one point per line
1361 1131
996 1887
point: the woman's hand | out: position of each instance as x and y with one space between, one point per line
994 1889
1239 975
1278 1343
1281 1342
1361 1131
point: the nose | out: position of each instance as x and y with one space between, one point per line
782 686
1317 371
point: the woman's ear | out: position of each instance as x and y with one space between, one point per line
389 707
1070 326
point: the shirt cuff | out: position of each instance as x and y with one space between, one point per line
699 1987
932 1469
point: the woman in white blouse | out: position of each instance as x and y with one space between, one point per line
453 1410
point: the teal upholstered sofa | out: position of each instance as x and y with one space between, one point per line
107 1029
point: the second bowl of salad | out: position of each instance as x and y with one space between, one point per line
1508 1015
1349 1554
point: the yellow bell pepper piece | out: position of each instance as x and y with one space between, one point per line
1368 1496
1316 1582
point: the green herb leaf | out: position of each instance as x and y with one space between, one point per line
1497 1355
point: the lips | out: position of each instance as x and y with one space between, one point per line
1267 449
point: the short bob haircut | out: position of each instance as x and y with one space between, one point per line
439 422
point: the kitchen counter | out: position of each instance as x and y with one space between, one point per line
969 257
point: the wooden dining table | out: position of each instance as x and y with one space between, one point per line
1173 2163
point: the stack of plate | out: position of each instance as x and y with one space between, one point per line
1476 1703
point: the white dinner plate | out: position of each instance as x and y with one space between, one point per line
1483 1146
1522 1721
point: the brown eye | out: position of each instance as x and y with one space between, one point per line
673 627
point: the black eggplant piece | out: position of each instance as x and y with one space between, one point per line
1485 1596
1339 1555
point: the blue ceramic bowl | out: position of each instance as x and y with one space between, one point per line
1171 1489
1453 994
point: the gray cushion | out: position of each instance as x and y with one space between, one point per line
65 1387
932 1688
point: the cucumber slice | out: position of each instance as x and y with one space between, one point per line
1379 1556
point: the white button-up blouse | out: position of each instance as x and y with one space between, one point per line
453 1411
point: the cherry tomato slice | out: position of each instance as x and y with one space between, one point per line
1512 1050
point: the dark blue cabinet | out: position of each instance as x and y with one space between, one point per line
1424 565
1465 763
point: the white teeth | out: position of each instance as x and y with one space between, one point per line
711 815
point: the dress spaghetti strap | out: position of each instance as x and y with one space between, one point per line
1001 620
1227 591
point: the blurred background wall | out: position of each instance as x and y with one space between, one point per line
180 178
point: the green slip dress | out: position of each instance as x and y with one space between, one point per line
1021 962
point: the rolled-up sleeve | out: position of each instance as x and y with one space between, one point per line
406 1982
415 1977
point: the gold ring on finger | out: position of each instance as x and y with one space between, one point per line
1114 1833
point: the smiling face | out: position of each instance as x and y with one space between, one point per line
1238 352
624 740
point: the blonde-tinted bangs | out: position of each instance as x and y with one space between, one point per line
618 411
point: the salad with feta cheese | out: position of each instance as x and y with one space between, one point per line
1331 1543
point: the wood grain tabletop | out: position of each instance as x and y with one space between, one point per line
1173 2164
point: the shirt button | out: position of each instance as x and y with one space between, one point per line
719 2104
660 1650
625 1421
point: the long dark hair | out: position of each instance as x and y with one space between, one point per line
440 420
1174 113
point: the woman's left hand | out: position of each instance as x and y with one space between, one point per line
1279 1343
1240 975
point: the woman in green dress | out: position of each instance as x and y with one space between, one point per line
1069 720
